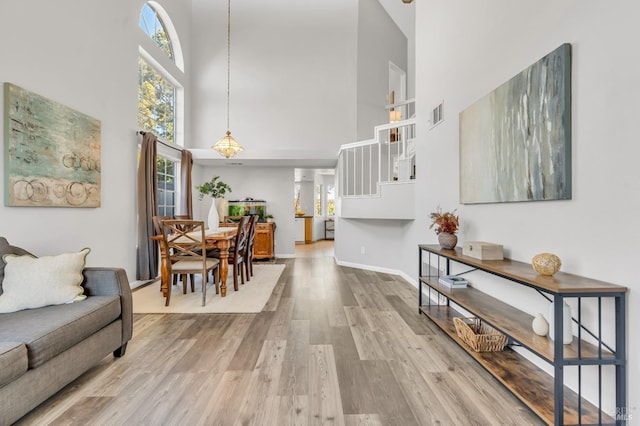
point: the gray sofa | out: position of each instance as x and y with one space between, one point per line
42 350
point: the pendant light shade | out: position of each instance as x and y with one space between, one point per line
228 146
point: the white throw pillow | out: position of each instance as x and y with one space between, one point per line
33 282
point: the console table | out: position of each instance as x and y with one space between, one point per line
547 396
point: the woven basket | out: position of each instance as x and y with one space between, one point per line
479 336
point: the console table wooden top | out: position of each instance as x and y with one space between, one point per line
523 273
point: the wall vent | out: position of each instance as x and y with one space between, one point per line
437 115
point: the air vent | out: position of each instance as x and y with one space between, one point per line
437 115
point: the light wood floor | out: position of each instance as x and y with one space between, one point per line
320 248
334 345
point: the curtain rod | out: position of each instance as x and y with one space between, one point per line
167 144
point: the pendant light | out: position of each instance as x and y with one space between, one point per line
228 146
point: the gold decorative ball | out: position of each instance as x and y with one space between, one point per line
546 263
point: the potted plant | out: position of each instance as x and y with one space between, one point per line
447 225
216 189
269 218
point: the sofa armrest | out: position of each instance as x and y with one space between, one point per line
107 282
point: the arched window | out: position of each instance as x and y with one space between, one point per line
161 96
160 71
152 25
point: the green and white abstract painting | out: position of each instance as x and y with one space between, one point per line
52 153
515 143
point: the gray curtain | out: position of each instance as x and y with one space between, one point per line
147 265
186 196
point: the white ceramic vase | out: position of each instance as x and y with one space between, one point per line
567 335
540 325
213 220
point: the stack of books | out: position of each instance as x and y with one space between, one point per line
453 281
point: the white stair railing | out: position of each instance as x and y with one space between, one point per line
386 159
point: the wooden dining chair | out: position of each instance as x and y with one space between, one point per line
236 254
157 230
187 254
248 253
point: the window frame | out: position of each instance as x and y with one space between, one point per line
172 70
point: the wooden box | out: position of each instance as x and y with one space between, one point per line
482 250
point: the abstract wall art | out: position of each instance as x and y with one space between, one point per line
52 153
515 143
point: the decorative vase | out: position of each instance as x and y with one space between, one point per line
447 241
546 263
222 205
213 220
567 335
540 325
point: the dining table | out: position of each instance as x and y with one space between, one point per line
220 238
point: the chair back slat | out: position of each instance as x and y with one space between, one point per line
185 238
252 232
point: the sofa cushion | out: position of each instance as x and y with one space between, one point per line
6 248
51 330
13 361
33 282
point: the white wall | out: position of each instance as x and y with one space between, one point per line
272 184
83 55
293 75
466 49
379 41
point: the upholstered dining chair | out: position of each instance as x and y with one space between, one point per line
248 253
187 250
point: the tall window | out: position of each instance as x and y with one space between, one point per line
156 94
318 200
156 102
331 199
160 95
166 186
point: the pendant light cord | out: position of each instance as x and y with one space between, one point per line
228 59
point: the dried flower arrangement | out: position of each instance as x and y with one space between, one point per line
445 222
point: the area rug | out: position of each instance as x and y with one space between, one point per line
250 297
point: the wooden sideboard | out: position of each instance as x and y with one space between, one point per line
263 246
548 396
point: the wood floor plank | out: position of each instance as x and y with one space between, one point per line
334 345
362 420
77 413
247 354
281 319
411 316
318 324
259 406
355 392
391 404
222 406
294 379
294 410
325 405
